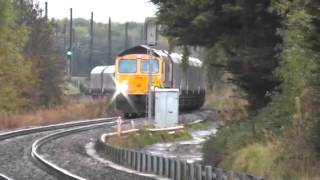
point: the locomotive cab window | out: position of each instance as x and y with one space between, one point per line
127 66
145 66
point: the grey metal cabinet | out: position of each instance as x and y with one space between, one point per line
166 107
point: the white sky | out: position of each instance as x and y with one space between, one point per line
118 10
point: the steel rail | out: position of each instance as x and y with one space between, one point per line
27 131
53 168
21 132
4 177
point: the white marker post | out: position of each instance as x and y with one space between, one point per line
151 36
119 123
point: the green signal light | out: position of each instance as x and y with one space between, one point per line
69 53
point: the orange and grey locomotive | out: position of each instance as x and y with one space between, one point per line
132 72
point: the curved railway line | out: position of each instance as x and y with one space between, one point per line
4 177
47 133
60 151
50 167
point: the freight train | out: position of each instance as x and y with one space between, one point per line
102 81
132 72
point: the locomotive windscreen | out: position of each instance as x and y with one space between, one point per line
145 66
127 66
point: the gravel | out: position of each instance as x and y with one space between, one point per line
70 153
16 161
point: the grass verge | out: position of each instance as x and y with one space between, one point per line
143 137
69 111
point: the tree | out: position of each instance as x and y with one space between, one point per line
47 64
245 30
15 72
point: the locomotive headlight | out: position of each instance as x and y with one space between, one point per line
122 88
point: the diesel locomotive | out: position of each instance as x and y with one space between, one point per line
132 74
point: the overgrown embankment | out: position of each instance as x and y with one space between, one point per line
68 111
257 146
281 140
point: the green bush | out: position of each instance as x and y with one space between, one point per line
228 140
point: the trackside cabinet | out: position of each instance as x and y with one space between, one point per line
166 107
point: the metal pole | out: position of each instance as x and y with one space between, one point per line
109 42
73 63
70 45
64 37
126 41
46 10
142 35
150 103
91 41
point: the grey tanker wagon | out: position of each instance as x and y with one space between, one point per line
102 80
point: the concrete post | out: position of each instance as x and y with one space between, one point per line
172 168
192 172
155 164
129 158
166 167
125 157
144 163
134 160
149 162
126 154
121 152
208 170
184 170
139 161
198 172
119 156
178 170
161 159
112 154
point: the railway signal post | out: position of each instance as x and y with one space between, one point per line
69 52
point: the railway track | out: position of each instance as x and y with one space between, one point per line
21 132
41 136
4 177
57 152
52 168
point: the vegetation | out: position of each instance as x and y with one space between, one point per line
238 36
271 49
142 138
15 71
31 73
32 61
68 111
